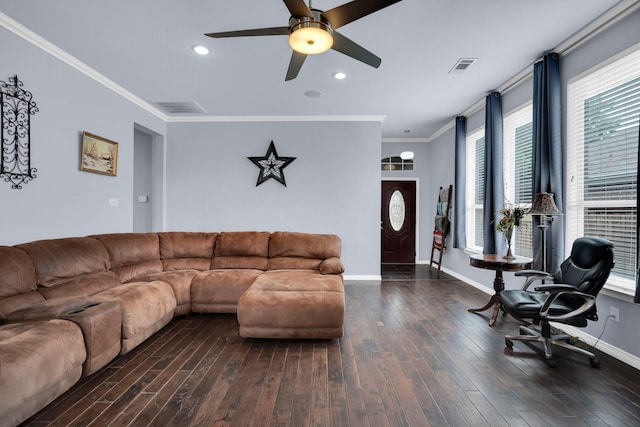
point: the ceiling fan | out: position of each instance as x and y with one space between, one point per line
312 31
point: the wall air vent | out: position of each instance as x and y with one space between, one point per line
462 65
180 107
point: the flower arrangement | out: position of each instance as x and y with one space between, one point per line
511 218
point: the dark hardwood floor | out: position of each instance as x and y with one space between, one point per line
411 356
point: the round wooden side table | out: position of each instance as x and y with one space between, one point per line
498 264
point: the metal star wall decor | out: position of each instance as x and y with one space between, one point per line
271 165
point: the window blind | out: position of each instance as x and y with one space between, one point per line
518 171
475 187
602 148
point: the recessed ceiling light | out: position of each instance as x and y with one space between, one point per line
200 50
339 75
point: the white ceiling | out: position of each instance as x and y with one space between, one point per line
144 46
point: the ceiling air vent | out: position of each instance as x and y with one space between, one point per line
180 107
462 65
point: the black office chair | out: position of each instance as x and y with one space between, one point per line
570 299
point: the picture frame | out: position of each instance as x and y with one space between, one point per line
98 155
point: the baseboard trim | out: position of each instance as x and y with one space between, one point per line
351 277
605 347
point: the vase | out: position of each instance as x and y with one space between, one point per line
508 234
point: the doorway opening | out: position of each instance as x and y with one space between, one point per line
148 180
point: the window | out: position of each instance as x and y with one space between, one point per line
518 171
475 189
602 154
396 163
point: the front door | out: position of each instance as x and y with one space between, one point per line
398 221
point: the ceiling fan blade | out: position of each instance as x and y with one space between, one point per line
344 45
297 59
297 8
273 31
349 12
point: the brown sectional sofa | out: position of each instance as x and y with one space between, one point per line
70 306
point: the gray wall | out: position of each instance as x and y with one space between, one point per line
616 39
332 186
62 200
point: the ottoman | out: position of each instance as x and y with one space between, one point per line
293 304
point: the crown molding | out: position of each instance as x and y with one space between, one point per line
53 50
409 140
222 119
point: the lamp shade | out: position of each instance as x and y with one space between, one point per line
544 205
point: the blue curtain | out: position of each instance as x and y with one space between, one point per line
547 154
494 180
460 185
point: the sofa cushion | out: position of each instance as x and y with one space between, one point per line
58 260
87 284
241 249
18 302
142 306
331 265
218 291
180 281
291 250
40 361
293 304
48 309
132 255
186 250
17 272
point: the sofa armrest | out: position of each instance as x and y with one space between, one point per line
49 309
101 325
331 265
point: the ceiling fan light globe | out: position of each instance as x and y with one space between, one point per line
310 39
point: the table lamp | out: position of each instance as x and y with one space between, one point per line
546 208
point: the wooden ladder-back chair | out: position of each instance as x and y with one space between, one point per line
441 228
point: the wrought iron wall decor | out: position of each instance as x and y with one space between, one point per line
271 165
16 107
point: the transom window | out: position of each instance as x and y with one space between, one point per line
396 163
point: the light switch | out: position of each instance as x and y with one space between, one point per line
114 201
143 199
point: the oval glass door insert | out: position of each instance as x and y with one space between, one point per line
396 210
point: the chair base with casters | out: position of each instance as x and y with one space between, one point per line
543 335
570 300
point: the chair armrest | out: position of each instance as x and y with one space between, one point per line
556 292
531 273
532 276
556 287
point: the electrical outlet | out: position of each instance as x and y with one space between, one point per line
615 314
